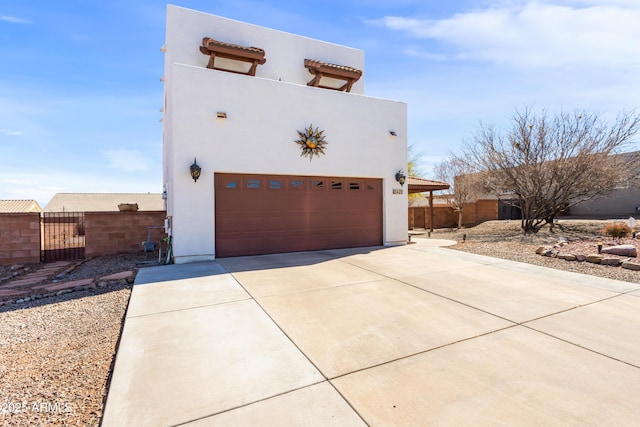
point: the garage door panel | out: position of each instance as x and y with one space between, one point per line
258 214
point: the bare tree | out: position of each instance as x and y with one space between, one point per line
465 185
547 165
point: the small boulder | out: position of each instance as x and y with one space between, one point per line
613 262
540 250
595 259
566 256
581 258
622 250
631 265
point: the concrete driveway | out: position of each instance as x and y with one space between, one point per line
410 335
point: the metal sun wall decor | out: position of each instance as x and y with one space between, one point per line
311 142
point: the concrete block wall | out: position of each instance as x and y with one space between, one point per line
109 233
444 216
485 210
19 238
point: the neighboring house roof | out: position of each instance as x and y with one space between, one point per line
419 185
103 202
13 206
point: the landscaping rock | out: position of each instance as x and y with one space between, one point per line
631 265
622 250
613 262
545 250
581 258
595 259
566 256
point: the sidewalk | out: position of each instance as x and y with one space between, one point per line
410 335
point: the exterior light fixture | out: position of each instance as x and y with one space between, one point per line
195 170
393 133
401 177
221 115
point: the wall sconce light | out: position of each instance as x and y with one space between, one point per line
164 195
221 115
163 48
401 177
195 170
393 133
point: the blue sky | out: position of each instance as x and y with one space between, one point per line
80 92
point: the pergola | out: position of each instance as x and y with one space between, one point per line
421 185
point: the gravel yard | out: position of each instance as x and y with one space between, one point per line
503 239
56 353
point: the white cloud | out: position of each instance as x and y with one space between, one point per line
8 132
420 52
127 160
13 19
536 34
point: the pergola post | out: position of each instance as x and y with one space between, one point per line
431 211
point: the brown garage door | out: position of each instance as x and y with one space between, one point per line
261 214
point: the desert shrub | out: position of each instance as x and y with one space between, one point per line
616 230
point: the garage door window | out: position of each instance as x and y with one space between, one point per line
253 183
275 184
297 184
336 185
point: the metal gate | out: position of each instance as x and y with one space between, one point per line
62 236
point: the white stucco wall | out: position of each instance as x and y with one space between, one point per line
263 115
285 52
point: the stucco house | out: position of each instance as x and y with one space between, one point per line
271 145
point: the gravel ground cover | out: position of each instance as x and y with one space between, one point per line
504 239
56 353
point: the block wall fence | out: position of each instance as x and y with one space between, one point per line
444 216
19 238
106 233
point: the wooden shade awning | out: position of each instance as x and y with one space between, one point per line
340 72
420 185
215 48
